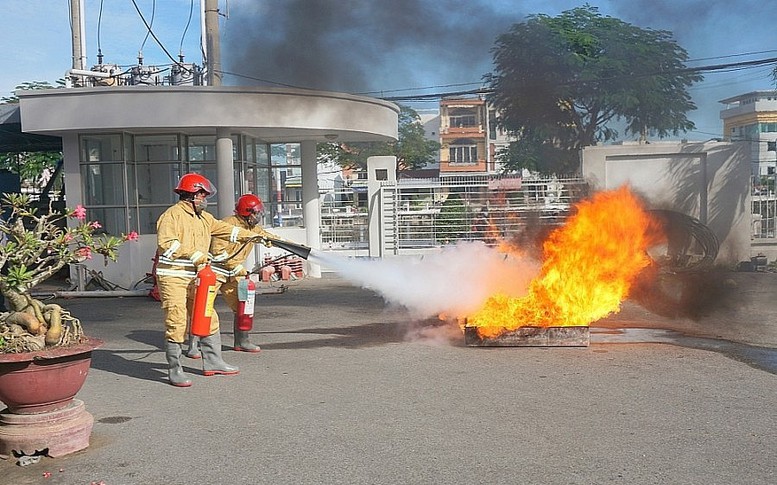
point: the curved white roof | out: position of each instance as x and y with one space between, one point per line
273 115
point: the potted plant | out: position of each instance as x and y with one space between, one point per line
44 354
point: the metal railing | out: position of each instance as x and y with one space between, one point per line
429 213
344 221
422 214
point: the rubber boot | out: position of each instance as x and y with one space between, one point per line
194 347
212 363
242 344
174 370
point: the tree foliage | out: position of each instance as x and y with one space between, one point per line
28 86
37 244
451 223
412 149
561 83
33 168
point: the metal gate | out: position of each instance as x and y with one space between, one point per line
423 214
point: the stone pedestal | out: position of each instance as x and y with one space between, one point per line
62 431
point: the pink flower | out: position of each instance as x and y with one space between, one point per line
67 237
85 252
79 212
95 225
133 236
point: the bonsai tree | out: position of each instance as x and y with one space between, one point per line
33 247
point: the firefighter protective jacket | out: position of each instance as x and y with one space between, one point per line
183 239
224 264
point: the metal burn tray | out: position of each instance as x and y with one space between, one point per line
529 336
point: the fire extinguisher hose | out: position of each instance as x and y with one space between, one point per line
296 249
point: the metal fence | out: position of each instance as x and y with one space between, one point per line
422 214
344 221
418 214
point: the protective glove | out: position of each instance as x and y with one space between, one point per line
201 264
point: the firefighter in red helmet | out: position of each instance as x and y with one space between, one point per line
184 232
228 260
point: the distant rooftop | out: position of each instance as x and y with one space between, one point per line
750 97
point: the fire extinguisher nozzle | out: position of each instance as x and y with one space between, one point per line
298 249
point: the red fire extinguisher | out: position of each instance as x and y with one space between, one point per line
246 294
203 302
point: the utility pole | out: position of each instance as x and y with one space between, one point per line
212 46
77 21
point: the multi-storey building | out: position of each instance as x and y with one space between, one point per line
753 117
469 138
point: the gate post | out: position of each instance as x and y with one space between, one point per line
379 169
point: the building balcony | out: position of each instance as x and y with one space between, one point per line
478 166
458 132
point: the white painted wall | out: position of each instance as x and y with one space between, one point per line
706 180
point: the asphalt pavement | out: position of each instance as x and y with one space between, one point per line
678 388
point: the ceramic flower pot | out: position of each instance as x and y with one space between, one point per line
46 380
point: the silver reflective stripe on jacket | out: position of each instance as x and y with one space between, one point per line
175 272
176 267
173 248
225 272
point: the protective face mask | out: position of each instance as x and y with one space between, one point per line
200 205
253 219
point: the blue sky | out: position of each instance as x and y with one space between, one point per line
374 46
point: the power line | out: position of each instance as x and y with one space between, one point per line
260 79
438 86
413 89
153 14
732 55
186 29
153 34
727 67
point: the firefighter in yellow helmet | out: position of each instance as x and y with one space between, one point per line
184 232
228 259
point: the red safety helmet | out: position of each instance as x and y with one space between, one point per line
193 183
248 205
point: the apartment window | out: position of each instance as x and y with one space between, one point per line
749 132
462 118
463 151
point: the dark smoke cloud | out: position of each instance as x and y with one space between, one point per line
376 46
362 46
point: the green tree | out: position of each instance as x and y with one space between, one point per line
452 223
561 83
412 149
28 86
33 168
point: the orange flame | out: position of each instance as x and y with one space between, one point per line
589 266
